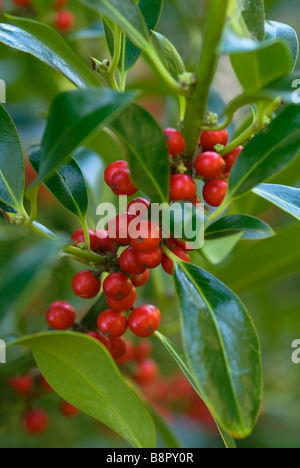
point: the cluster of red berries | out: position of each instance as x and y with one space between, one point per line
31 386
64 19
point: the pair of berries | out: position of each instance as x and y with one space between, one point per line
117 177
99 240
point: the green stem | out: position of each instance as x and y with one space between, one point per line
85 254
197 105
117 51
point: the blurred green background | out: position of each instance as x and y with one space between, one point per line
263 274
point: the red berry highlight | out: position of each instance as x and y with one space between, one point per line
60 315
144 321
175 141
86 285
112 323
209 165
209 140
214 191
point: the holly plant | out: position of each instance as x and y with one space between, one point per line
201 157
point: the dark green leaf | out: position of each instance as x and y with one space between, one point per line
90 319
81 371
47 45
226 363
277 30
286 87
73 117
147 151
67 185
92 168
170 55
250 227
179 357
267 154
11 164
287 198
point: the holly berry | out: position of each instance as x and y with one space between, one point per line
143 350
209 165
129 353
123 304
121 183
22 385
214 191
140 280
64 20
22 3
129 262
36 421
86 285
60 315
101 338
118 347
104 241
78 237
134 208
231 158
151 259
209 140
175 141
149 236
144 321
112 323
182 187
117 285
68 410
168 264
146 372
112 168
118 228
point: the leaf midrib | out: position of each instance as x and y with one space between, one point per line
17 204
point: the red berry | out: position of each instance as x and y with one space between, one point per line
117 285
168 264
118 347
209 165
86 285
112 168
104 241
22 3
231 158
149 236
78 237
129 354
175 141
68 410
143 350
118 228
144 321
209 140
146 372
101 338
121 183
36 421
138 204
185 245
151 259
140 280
123 304
22 385
182 187
64 20
112 323
214 191
60 315
129 262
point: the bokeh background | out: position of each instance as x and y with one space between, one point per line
266 275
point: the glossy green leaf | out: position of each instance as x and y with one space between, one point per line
286 198
286 87
226 364
67 185
277 257
147 151
268 153
253 14
82 372
22 269
179 357
217 250
274 29
167 435
44 43
126 14
170 55
250 227
73 117
11 164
